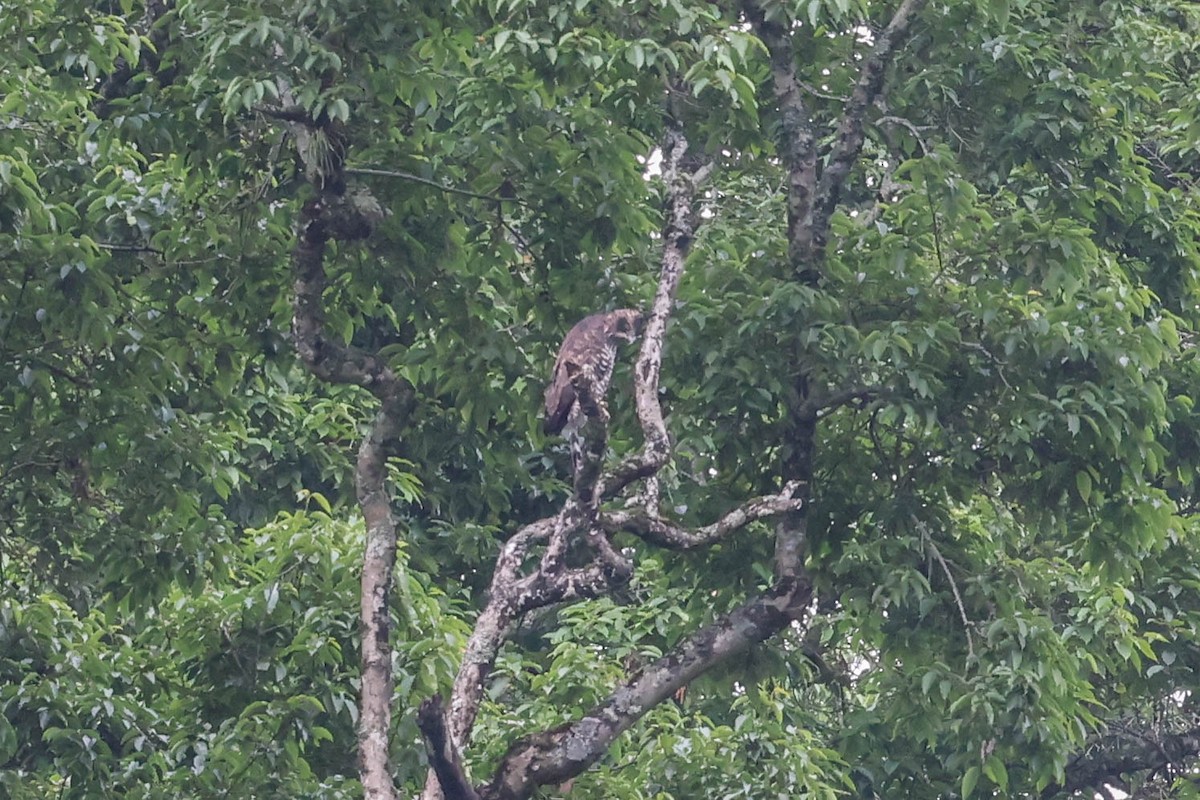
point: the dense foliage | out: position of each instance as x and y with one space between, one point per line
1002 508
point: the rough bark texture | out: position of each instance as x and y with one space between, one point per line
1124 753
664 533
557 755
849 139
811 199
813 195
515 592
553 756
335 214
682 174
797 141
444 758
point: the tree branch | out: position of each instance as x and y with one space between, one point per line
1118 755
513 594
849 138
556 755
443 755
817 403
663 533
114 85
811 201
335 214
514 591
682 174
958 601
797 140
408 176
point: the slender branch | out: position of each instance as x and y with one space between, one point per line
1173 179
664 533
515 590
849 137
958 601
1117 755
129 248
296 114
20 303
59 372
492 626
411 178
822 95
683 174
346 217
824 403
514 594
797 141
888 119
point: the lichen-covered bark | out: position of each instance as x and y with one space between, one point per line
348 216
553 756
1117 753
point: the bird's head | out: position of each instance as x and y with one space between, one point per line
626 324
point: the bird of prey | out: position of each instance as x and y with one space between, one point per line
586 360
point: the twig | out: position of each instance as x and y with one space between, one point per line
1175 179
888 119
999 363
816 403
937 235
962 609
20 303
516 588
848 142
811 90
129 248
683 174
408 176
664 533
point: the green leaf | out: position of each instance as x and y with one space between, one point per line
1083 484
970 779
8 740
996 772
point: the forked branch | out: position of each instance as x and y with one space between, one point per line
581 526
554 756
849 138
517 590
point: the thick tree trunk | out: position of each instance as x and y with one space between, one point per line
379 560
348 217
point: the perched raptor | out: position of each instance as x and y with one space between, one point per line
586 359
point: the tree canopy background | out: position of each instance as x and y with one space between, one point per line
278 280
